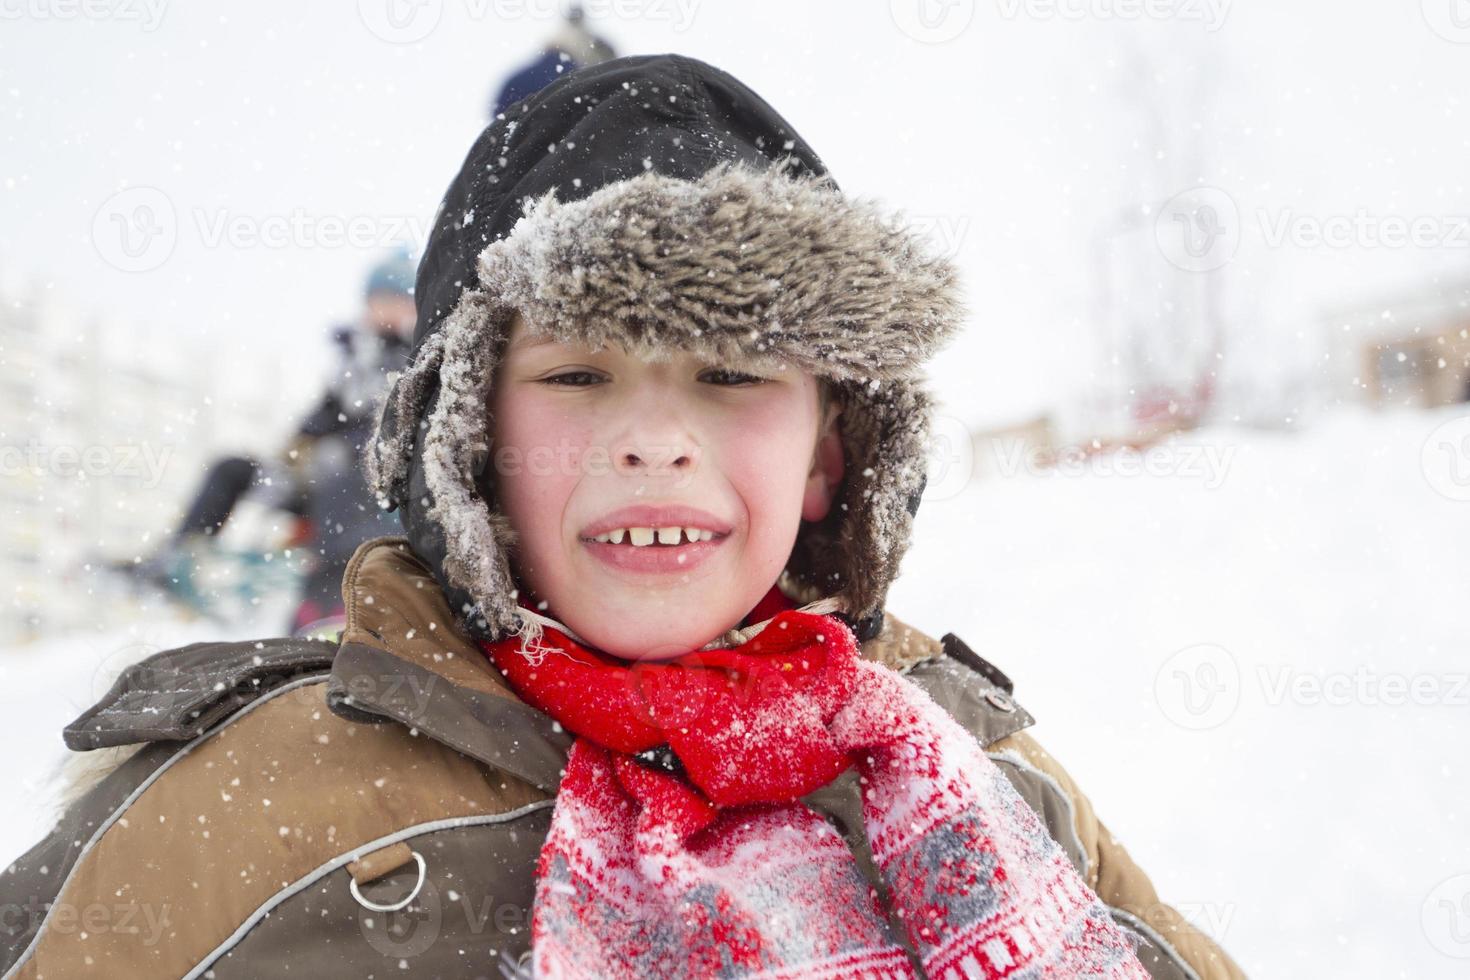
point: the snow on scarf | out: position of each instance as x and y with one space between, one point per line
719 870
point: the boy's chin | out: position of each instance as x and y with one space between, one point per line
649 642
654 622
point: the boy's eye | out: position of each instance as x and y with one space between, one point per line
574 379
721 376
718 376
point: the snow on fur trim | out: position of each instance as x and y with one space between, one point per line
742 266
389 453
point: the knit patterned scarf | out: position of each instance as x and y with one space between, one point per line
709 864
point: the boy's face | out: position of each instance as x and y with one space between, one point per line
388 312
580 437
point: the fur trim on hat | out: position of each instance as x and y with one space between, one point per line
742 267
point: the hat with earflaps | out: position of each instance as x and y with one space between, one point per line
657 203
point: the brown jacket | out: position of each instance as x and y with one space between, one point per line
278 785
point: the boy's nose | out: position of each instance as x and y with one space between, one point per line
652 458
656 433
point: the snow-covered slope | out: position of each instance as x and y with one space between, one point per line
1308 813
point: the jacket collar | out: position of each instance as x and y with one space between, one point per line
404 658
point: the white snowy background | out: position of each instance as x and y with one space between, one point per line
1165 629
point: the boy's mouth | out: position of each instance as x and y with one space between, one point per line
643 537
655 539
668 524
654 550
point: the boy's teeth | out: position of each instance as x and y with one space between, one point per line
641 537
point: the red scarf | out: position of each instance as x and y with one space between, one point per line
720 870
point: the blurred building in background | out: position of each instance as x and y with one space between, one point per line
1411 352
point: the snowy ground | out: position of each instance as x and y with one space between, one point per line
44 685
1308 830
1168 630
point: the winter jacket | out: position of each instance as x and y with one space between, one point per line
340 505
276 790
365 361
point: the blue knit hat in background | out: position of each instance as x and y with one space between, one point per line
394 274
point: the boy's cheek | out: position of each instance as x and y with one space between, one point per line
540 445
771 482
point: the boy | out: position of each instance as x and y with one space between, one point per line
315 475
625 700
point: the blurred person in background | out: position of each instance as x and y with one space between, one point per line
343 512
573 46
315 477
